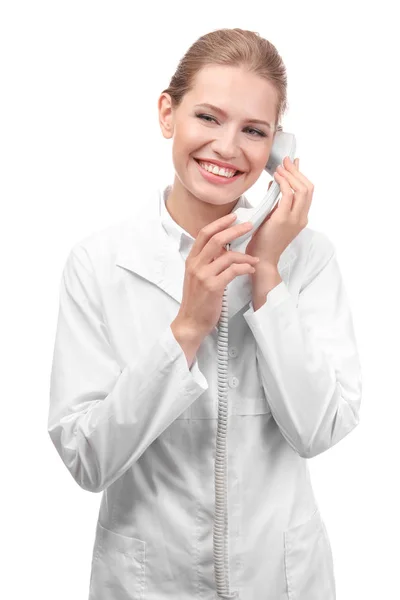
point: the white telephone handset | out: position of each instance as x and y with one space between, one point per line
284 145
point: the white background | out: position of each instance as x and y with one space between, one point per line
80 145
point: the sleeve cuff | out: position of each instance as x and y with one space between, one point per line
276 296
172 346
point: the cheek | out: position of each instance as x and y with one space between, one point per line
259 164
192 135
185 143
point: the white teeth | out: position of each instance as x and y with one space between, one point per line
217 170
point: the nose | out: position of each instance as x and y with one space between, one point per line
225 144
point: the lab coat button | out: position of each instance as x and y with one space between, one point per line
233 351
233 382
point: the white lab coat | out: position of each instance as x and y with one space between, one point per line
130 419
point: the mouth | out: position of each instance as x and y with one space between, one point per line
237 172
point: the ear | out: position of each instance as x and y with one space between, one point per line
165 115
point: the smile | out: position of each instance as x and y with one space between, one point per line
214 177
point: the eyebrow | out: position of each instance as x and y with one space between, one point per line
223 113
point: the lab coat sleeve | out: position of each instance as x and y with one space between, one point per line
101 418
307 355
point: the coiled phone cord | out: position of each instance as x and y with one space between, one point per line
220 533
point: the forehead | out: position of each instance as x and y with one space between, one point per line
235 90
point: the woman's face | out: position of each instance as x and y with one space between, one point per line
202 132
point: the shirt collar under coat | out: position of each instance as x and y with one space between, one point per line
155 247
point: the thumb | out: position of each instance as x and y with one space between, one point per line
271 212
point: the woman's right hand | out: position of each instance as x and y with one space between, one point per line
208 270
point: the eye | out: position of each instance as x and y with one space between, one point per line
259 133
205 116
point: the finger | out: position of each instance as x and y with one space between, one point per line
287 199
309 198
302 204
293 179
302 200
206 233
294 169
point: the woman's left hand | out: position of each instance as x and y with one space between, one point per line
288 217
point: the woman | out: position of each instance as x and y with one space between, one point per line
133 408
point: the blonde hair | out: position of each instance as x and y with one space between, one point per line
232 47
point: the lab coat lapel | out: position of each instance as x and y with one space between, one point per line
146 249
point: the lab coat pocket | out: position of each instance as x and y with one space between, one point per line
309 562
251 404
118 567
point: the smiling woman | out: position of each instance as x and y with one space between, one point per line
137 384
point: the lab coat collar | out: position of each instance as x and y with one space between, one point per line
146 249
